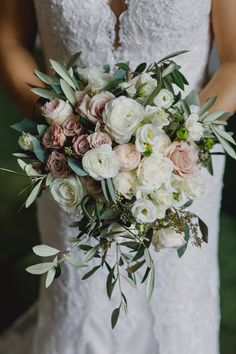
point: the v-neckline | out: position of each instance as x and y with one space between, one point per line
117 29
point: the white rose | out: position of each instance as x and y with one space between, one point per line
144 211
194 128
155 170
121 116
167 238
192 187
56 111
68 192
145 85
124 183
157 116
101 162
26 141
150 139
96 77
164 99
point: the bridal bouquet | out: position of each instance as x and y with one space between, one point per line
122 150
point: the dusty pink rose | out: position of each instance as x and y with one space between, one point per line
53 137
184 158
129 158
56 111
98 138
57 164
80 144
71 126
93 107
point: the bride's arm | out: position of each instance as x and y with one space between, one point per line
17 63
223 83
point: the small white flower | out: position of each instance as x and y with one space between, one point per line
152 139
167 238
157 116
26 141
121 116
101 162
164 99
68 192
145 85
124 183
96 77
144 211
129 87
194 127
154 171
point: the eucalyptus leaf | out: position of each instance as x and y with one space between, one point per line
40 268
150 282
26 125
45 251
41 128
38 150
76 167
50 276
34 194
62 72
68 91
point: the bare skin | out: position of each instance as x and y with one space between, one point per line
18 30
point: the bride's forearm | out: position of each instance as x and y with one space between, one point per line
222 85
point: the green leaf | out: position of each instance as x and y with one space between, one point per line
106 68
46 78
68 91
76 167
114 317
145 275
26 126
167 71
63 73
208 104
49 179
185 108
75 262
177 79
90 254
42 92
111 189
204 229
157 89
210 118
104 189
73 59
41 128
91 272
148 258
192 98
130 281
175 54
110 283
224 134
40 268
45 251
20 154
112 84
38 150
123 66
150 282
50 276
140 68
182 249
34 193
225 144
135 267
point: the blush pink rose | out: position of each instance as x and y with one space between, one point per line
184 158
56 111
53 137
93 107
98 138
129 157
57 164
80 144
71 126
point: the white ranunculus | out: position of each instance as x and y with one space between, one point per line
96 77
194 127
101 162
121 116
56 111
26 141
144 211
167 238
151 138
154 171
157 116
124 183
164 99
145 85
68 192
192 187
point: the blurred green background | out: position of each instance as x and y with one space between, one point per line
19 233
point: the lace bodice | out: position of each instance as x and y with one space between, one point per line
149 29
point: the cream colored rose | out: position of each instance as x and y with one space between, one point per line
128 156
68 193
144 211
26 141
164 99
96 77
154 171
167 238
124 183
194 127
101 162
121 116
56 111
93 107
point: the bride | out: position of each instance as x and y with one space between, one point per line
74 316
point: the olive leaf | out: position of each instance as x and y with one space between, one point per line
45 251
40 268
50 276
68 91
34 193
62 72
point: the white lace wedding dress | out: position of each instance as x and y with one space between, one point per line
183 314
